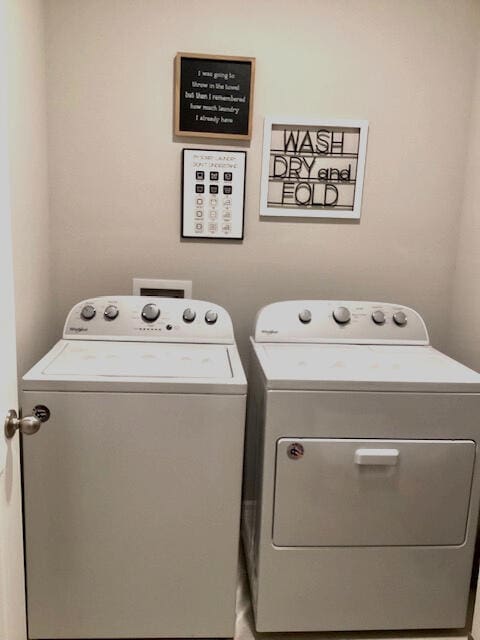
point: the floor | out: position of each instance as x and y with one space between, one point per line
245 628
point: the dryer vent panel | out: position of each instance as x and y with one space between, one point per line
162 288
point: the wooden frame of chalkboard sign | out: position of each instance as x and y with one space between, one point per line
313 168
214 96
213 194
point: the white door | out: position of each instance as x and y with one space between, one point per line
12 592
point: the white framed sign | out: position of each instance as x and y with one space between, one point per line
313 168
213 194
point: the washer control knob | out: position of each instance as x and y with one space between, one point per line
378 317
111 312
305 316
189 315
400 318
88 312
341 315
211 316
150 312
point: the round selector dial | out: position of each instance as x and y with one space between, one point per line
305 316
150 312
400 318
88 312
211 316
189 315
111 312
341 315
378 317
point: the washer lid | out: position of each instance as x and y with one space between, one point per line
137 366
363 367
140 360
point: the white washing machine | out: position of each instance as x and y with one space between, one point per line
362 476
132 486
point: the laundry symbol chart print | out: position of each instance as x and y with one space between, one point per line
213 194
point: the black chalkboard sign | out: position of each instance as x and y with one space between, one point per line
213 96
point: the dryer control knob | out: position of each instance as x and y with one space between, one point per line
88 312
378 317
211 317
189 315
111 312
400 318
150 312
341 315
305 316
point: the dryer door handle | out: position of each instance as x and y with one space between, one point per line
386 457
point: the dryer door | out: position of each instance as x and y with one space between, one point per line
366 492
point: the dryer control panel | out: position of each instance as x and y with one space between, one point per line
149 319
339 321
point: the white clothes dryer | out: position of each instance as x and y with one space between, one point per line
132 485
362 476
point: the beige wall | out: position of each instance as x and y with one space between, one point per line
465 311
29 187
405 66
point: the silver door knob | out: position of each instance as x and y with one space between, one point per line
28 425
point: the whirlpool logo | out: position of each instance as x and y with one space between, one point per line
269 332
77 329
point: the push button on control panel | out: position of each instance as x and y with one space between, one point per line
88 312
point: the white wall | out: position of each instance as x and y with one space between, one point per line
465 313
405 66
29 184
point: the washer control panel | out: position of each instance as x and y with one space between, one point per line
149 319
353 322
